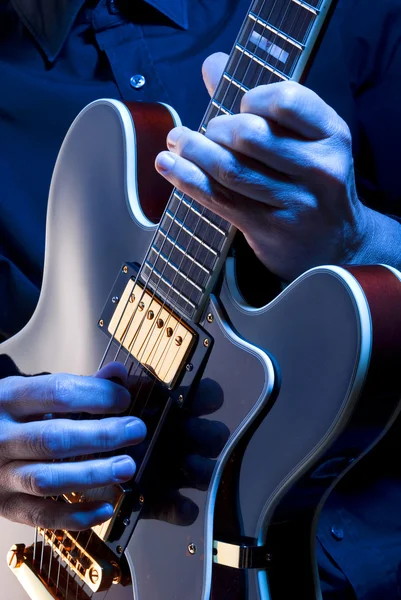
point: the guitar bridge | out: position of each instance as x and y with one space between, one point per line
43 581
83 562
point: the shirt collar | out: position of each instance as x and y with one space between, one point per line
50 21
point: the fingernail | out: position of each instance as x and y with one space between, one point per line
174 136
123 468
165 161
136 429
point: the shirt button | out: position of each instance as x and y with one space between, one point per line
112 7
337 533
137 81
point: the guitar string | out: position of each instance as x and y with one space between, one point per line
182 259
222 104
197 223
112 338
275 38
215 235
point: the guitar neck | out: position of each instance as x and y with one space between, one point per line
276 43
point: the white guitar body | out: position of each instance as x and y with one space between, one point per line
311 347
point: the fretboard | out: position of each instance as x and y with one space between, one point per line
275 44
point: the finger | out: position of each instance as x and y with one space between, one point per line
212 70
114 371
63 438
237 173
49 514
263 141
238 210
62 393
52 479
294 107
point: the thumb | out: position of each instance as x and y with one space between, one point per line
212 70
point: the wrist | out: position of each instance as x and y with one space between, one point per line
377 239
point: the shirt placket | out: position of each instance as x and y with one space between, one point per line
128 55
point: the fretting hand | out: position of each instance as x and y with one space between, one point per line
282 172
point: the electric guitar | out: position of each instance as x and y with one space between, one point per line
292 388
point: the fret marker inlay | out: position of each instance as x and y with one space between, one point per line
272 49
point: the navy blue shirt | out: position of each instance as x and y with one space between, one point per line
56 56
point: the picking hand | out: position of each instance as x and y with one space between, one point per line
29 443
281 171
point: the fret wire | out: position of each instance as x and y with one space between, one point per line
183 251
307 6
169 284
175 268
189 232
198 214
197 211
261 62
235 82
276 31
226 111
295 33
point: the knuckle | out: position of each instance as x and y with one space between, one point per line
287 99
40 517
230 173
251 133
7 440
186 144
108 436
344 134
194 178
39 482
12 389
51 441
57 392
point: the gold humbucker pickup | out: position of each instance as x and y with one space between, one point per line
151 333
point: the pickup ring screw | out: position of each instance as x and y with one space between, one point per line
192 548
119 550
206 343
115 299
94 575
101 323
125 269
180 399
189 367
126 522
210 318
141 499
